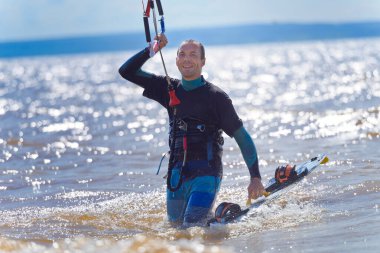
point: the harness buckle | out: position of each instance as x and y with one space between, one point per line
201 127
182 125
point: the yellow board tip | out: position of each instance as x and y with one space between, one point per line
325 160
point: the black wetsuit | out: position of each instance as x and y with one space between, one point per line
208 103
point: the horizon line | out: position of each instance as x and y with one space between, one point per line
135 32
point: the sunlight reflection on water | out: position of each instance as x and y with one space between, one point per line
80 146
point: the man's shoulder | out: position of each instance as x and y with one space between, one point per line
216 90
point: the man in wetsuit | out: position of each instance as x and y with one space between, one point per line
203 113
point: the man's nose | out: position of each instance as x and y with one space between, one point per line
186 57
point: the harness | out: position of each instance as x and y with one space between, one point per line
194 140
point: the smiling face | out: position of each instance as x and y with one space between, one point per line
190 60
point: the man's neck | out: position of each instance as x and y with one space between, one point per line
192 84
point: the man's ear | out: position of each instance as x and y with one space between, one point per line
203 62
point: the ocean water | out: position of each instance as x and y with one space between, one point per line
231 35
80 148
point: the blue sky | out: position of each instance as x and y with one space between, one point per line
34 19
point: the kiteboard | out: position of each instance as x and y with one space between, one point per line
285 177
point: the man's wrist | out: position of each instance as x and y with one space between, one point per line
255 177
254 170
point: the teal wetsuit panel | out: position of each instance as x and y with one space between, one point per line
193 201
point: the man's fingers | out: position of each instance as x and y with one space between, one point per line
252 195
161 38
163 43
257 193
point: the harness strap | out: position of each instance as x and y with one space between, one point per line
210 154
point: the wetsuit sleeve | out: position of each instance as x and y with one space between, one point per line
248 151
155 87
229 120
131 69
